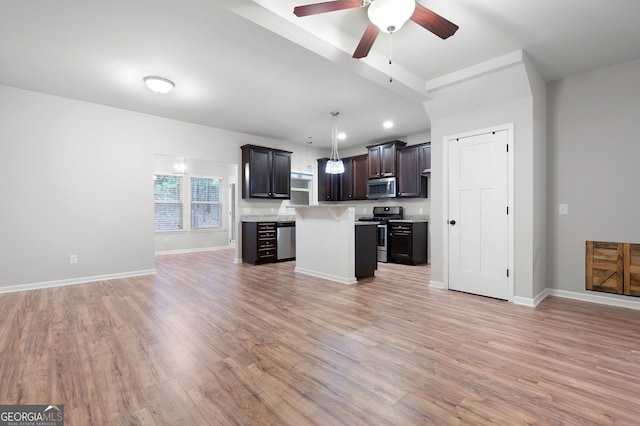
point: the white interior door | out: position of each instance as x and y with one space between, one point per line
478 221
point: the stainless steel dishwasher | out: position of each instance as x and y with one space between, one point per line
286 240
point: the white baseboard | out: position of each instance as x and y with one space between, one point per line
524 301
436 284
603 299
329 277
73 281
191 250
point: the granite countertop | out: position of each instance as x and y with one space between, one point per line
268 218
412 219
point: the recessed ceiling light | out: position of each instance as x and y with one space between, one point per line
342 136
159 84
387 124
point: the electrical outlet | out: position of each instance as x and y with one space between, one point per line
563 209
420 210
73 258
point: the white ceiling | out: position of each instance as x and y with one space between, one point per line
252 66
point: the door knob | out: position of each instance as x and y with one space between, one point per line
452 222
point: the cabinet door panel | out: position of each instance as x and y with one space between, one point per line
425 159
281 175
408 174
400 244
257 172
328 184
374 162
346 181
388 160
360 168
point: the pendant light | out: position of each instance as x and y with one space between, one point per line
335 165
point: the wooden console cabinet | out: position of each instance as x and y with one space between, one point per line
613 267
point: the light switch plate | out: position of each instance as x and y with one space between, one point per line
563 209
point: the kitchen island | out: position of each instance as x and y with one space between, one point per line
327 247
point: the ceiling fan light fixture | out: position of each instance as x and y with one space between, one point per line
390 15
159 84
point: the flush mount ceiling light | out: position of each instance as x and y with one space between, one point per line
387 124
159 84
334 166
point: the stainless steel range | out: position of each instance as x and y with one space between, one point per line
383 215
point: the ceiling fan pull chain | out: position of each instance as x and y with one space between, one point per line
390 54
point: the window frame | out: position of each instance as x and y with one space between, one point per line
219 203
179 202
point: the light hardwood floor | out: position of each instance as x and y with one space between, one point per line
207 341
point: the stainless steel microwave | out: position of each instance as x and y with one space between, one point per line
381 188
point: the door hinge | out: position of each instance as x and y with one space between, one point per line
507 147
507 272
507 209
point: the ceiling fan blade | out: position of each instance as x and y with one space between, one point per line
366 41
328 6
433 22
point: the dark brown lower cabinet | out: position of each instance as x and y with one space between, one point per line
408 242
258 242
366 250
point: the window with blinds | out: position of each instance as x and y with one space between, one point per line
206 207
168 208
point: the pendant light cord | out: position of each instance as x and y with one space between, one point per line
334 137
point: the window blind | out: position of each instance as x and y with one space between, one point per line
168 209
206 207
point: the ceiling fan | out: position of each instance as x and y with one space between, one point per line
385 15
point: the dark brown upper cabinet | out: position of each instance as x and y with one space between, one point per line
411 179
266 172
425 158
353 184
328 184
382 159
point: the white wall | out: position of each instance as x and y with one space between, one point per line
489 95
540 207
518 112
594 148
78 179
